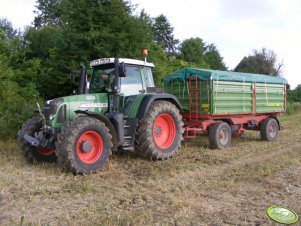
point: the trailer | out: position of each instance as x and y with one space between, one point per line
224 103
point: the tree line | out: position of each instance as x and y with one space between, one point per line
35 63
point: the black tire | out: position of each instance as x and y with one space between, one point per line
149 139
84 133
31 153
269 129
219 135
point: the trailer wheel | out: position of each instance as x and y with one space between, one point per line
159 133
31 153
219 135
84 145
269 129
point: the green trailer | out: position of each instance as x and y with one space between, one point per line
237 101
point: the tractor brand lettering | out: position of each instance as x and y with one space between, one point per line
93 105
90 97
100 61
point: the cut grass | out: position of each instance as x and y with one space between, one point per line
199 186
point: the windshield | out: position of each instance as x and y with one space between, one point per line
101 80
137 79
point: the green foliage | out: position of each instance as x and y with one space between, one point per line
260 62
213 58
198 54
163 34
92 29
293 107
17 89
17 105
192 51
295 95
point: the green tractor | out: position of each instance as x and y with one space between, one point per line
120 110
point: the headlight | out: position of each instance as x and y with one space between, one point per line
51 117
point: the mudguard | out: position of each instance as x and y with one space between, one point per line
149 99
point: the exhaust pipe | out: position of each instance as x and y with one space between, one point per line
82 81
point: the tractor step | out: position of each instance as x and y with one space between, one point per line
128 148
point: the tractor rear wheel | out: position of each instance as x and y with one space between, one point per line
159 133
84 145
269 129
34 154
219 135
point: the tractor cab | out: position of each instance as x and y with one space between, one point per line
136 76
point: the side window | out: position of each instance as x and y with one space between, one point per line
132 83
148 77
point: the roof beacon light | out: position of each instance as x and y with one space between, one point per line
144 53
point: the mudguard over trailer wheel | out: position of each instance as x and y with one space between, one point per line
269 129
219 135
34 154
84 145
159 133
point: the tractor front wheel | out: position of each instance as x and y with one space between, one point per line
159 133
31 153
84 145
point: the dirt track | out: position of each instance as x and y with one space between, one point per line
198 187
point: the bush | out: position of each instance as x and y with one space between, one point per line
17 105
293 107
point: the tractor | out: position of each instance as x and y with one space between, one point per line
120 110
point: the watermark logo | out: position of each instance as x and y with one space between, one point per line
282 214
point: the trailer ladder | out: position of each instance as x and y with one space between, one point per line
193 98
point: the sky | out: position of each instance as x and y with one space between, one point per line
236 27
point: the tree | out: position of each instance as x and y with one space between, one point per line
9 31
192 50
48 12
163 34
17 97
260 62
68 32
213 58
295 95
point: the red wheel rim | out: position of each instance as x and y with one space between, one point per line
45 151
96 147
164 131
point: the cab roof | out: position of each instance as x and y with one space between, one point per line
103 61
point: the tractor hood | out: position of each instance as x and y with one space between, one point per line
61 110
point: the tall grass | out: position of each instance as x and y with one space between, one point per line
293 107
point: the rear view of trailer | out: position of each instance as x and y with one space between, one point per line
238 101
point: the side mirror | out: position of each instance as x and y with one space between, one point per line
122 70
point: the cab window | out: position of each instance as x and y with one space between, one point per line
132 83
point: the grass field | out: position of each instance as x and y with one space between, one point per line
198 187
